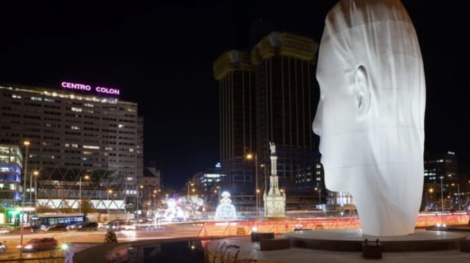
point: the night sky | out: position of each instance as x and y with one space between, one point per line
160 55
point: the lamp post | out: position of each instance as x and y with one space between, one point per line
442 195
189 184
137 205
249 157
25 174
110 191
86 177
155 192
36 174
265 178
319 195
458 195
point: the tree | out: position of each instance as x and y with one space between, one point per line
45 209
110 237
65 207
87 206
130 207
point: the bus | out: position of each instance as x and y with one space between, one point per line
47 220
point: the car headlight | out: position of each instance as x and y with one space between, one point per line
28 246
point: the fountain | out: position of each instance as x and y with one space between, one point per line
225 210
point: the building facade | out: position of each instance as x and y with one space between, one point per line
11 169
84 142
442 181
284 75
237 90
149 188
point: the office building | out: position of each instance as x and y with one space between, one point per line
11 167
284 73
236 77
84 141
442 181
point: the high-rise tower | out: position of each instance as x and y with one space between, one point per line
283 65
236 77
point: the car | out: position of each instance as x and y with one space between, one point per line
75 226
36 244
128 226
93 226
116 225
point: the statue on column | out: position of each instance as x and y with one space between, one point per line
274 200
272 146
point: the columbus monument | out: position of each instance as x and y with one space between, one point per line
274 200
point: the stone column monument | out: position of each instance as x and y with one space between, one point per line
275 200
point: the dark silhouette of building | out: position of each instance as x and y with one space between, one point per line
236 78
283 64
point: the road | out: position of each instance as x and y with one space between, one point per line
163 232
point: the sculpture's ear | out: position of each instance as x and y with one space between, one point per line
363 88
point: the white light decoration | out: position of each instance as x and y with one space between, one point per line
225 210
370 117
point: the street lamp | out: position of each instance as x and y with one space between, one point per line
36 174
265 178
86 177
137 205
442 195
25 174
189 184
251 156
458 195
110 191
319 195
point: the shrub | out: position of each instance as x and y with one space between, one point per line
110 237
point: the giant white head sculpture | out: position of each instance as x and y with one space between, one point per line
370 117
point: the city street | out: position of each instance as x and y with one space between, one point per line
163 232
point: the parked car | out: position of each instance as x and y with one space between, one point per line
89 226
39 244
75 226
116 225
3 247
128 226
58 228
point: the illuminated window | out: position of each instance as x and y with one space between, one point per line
76 109
91 147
